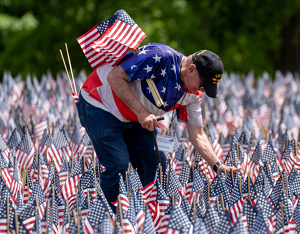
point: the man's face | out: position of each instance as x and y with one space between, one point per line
193 80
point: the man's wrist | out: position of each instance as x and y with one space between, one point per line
217 166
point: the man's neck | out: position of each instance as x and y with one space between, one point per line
182 67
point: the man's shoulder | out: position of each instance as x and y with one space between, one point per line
157 46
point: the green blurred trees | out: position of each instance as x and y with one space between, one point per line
259 35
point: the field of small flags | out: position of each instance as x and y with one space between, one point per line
50 174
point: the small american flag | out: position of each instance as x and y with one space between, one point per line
105 226
63 174
184 174
259 224
16 183
110 40
37 190
224 226
60 206
129 219
5 150
263 205
39 129
76 140
188 187
151 201
87 182
6 177
62 143
269 152
162 202
86 147
147 190
83 204
148 225
25 151
178 222
211 218
19 200
95 216
123 195
51 152
240 226
140 216
255 161
296 216
3 215
198 182
70 187
172 187
220 187
235 203
27 212
135 179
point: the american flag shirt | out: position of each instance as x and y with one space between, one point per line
157 62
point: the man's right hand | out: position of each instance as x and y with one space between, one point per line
147 120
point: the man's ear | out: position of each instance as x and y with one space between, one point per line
192 67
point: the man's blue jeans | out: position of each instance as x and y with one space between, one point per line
116 143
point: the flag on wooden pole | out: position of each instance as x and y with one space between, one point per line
110 40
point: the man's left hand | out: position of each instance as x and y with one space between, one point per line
227 169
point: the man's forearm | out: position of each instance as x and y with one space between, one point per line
204 148
119 83
202 144
124 92
118 80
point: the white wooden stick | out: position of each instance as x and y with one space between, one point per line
71 67
62 56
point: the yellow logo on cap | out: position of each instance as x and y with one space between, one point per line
217 78
201 52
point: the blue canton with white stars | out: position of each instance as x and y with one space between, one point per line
160 63
119 15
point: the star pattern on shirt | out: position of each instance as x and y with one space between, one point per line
133 66
149 90
157 58
173 68
178 87
143 47
157 63
142 52
148 68
163 72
